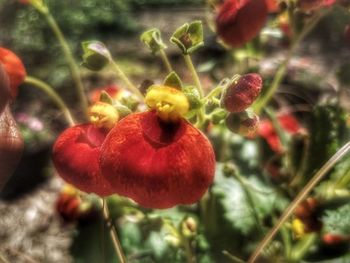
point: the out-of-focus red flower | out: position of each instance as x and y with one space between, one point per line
311 5
334 239
5 93
11 145
157 164
239 21
76 154
242 93
71 207
288 123
25 2
14 68
113 91
272 6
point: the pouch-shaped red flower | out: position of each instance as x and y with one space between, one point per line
76 156
157 164
14 68
239 21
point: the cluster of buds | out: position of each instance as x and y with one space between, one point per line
239 95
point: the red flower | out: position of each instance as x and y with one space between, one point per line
76 156
334 239
11 145
113 91
14 69
157 164
272 6
241 94
239 21
4 89
288 123
311 5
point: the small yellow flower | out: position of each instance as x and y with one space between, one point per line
103 115
70 190
170 103
298 228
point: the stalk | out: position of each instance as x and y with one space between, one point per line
165 60
50 92
113 232
299 198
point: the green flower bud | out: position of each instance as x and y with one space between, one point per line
152 38
188 37
96 56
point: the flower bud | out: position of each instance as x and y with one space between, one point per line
244 123
188 37
242 93
189 227
14 68
96 56
152 38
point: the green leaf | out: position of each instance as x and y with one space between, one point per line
337 221
173 81
236 205
152 38
188 37
106 98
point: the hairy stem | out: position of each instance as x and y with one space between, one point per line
113 232
132 88
49 91
70 60
165 60
299 198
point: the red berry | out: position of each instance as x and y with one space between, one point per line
76 156
157 164
239 21
14 69
241 94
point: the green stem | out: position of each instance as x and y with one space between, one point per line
286 241
190 66
165 60
265 99
127 81
37 83
302 247
70 60
113 232
299 198
232 257
194 74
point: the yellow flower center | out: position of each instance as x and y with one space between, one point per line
103 115
170 103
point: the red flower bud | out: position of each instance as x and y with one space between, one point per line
11 145
14 69
311 5
239 21
242 93
76 156
157 164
